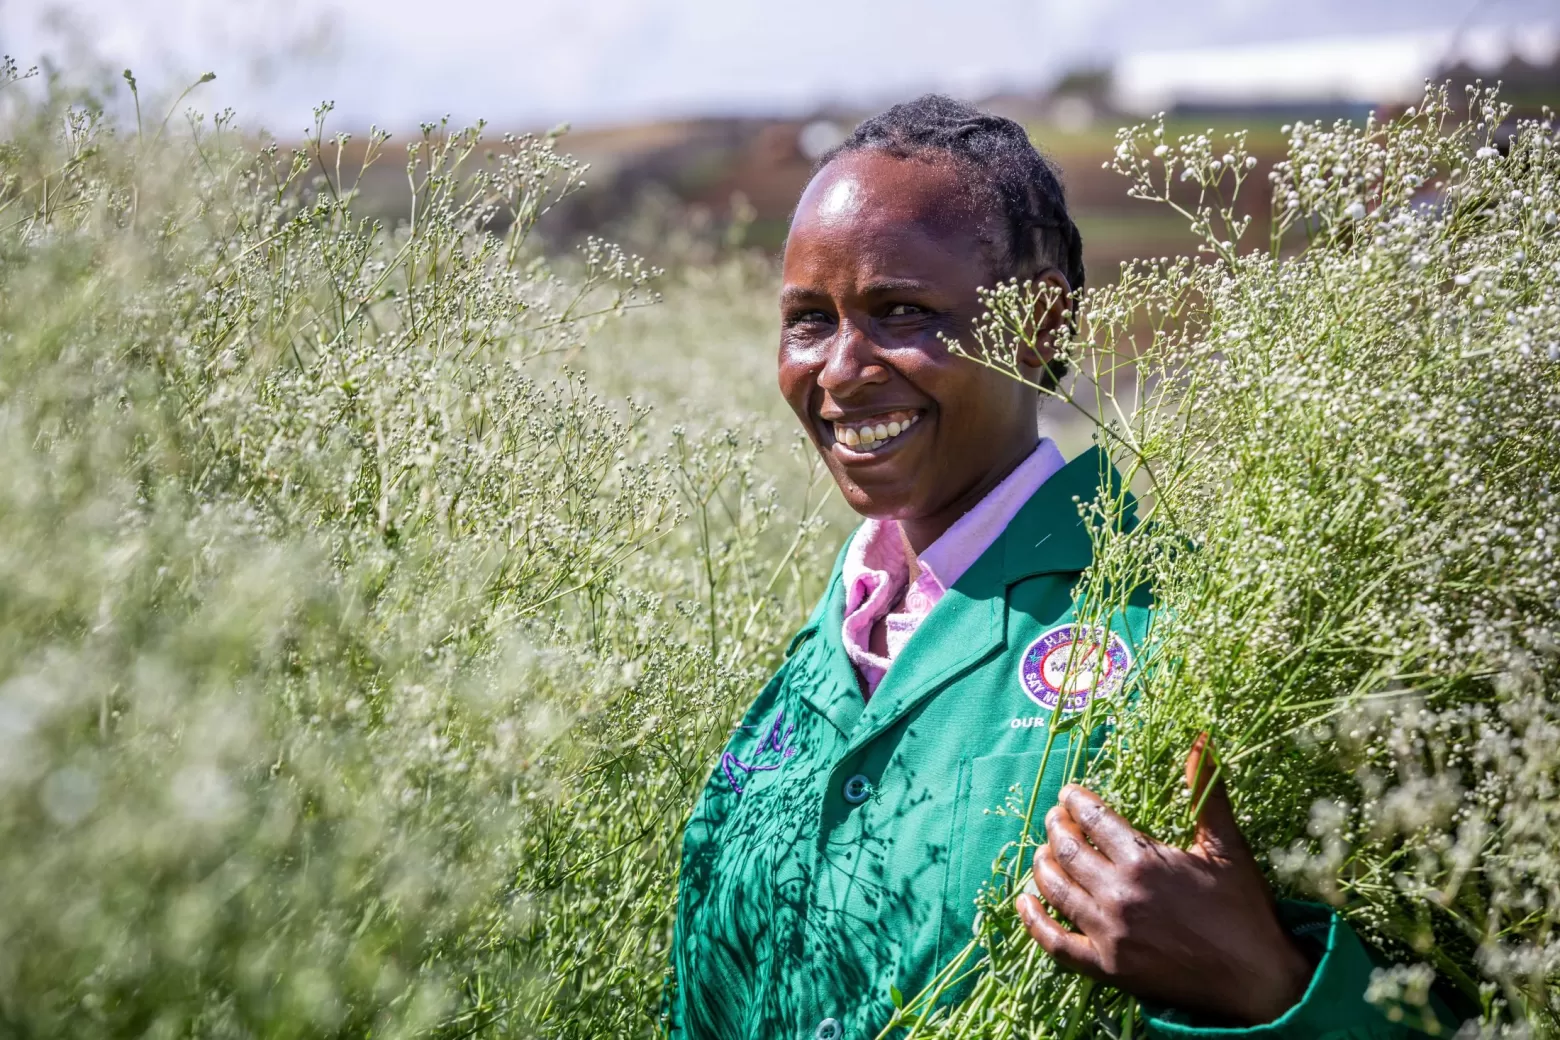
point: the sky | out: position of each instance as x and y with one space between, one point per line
532 63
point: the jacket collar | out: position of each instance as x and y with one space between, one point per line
831 686
1046 536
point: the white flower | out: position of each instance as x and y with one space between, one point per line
1355 210
1487 153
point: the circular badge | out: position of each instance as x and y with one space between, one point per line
1073 663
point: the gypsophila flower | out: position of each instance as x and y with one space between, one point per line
358 650
1359 433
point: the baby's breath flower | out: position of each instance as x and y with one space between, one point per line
355 649
1362 441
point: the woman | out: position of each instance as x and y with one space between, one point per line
838 847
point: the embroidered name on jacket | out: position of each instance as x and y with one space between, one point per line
771 753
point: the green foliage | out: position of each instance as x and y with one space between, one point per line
358 663
1350 459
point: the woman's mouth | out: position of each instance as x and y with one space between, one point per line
874 433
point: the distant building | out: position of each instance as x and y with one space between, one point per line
1339 72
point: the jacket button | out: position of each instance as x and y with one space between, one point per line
857 788
828 1029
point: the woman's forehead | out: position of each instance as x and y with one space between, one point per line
841 198
872 184
874 214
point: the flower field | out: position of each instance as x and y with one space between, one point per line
358 661
1347 446
375 597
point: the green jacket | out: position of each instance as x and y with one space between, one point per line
839 844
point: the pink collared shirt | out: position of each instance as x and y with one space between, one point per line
877 565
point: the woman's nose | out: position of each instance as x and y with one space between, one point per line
851 363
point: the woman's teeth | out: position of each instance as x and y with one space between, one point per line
870 435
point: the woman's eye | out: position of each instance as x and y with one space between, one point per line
807 318
902 310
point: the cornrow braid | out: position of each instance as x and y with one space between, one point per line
1040 232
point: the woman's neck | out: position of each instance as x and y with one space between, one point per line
921 532
912 558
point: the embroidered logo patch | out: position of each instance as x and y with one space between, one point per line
1072 663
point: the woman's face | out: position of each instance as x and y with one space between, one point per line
883 255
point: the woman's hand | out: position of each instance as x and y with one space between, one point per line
1193 929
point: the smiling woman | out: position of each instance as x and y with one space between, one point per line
834 858
883 262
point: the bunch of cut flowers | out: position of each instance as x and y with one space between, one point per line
1343 446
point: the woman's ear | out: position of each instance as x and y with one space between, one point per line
1053 297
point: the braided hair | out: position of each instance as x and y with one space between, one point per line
1023 184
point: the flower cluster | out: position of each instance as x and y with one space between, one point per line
1347 449
358 661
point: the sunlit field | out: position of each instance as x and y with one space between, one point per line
360 659
376 594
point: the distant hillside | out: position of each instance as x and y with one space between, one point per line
666 188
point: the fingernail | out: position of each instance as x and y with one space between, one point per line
1205 748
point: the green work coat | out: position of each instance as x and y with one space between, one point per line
837 849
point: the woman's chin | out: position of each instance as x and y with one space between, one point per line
883 501
887 481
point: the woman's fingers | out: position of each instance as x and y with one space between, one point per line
1069 949
1072 851
1059 889
1218 832
1101 824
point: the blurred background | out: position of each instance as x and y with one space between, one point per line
701 119
358 670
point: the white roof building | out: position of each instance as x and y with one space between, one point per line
1344 69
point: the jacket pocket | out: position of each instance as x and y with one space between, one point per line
994 793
